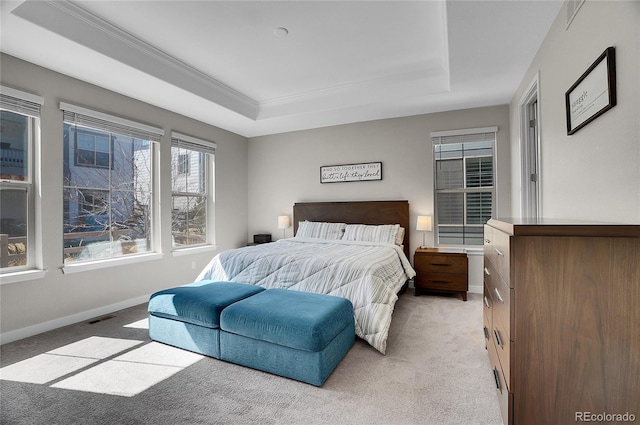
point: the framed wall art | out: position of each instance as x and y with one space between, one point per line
351 172
593 94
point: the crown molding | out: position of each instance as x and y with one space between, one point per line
75 23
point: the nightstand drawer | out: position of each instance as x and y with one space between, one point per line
442 281
441 264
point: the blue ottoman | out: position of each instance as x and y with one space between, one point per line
188 316
295 334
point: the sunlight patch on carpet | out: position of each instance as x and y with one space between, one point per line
93 365
132 372
161 354
43 368
62 361
96 347
118 378
140 324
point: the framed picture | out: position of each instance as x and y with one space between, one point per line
351 172
593 94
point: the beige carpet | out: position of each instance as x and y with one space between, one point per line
436 371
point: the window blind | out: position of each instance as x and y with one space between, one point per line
464 183
484 134
192 143
20 102
84 117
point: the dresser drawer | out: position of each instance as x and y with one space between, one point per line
503 347
501 255
489 253
441 263
442 281
500 299
505 398
487 302
487 317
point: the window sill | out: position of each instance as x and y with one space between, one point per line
471 250
21 276
112 262
193 250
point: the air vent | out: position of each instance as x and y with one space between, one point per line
101 319
573 6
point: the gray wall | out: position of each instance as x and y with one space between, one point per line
57 299
593 174
285 168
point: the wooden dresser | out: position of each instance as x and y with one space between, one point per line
562 319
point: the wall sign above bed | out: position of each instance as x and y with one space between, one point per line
351 172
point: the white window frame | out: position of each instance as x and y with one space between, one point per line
459 136
20 102
181 140
85 117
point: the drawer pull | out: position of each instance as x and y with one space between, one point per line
487 272
498 295
441 281
498 339
500 254
497 379
486 332
486 302
441 264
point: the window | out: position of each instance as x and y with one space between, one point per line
108 185
464 184
19 135
93 149
183 163
192 171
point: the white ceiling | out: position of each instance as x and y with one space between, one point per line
342 61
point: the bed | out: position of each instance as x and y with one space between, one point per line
354 250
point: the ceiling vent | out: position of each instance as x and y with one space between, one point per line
573 6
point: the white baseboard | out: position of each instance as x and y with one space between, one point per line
69 320
475 289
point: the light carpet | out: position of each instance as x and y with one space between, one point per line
436 371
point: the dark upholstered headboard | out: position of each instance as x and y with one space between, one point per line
355 212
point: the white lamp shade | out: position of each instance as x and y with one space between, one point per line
283 222
424 223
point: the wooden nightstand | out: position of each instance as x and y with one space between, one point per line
441 270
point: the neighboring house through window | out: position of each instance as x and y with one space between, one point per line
192 186
108 185
19 136
464 184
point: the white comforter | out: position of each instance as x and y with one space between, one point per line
369 274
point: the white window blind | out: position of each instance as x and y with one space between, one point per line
192 143
84 117
464 184
20 102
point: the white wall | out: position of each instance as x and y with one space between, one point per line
57 299
593 174
285 168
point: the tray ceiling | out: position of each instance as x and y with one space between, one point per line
263 67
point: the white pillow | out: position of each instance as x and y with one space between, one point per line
400 236
320 230
369 233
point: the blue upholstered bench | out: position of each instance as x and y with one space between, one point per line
299 335
295 334
189 316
